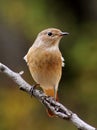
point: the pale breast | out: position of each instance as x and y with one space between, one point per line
45 66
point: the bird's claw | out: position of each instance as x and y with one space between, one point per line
32 89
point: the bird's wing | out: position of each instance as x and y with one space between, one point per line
25 58
63 64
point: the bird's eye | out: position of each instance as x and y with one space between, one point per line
50 34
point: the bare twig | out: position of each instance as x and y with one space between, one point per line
57 108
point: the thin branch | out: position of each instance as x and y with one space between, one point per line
57 108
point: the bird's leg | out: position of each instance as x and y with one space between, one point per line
55 94
36 85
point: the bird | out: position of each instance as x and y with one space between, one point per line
45 61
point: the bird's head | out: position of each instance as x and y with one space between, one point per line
51 36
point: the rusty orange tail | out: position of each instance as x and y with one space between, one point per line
52 93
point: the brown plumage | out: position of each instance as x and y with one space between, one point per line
45 61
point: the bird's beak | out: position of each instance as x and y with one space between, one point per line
63 33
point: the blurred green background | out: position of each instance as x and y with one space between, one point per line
20 22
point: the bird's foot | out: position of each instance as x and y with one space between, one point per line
33 87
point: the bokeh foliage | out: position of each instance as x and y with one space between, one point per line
20 22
